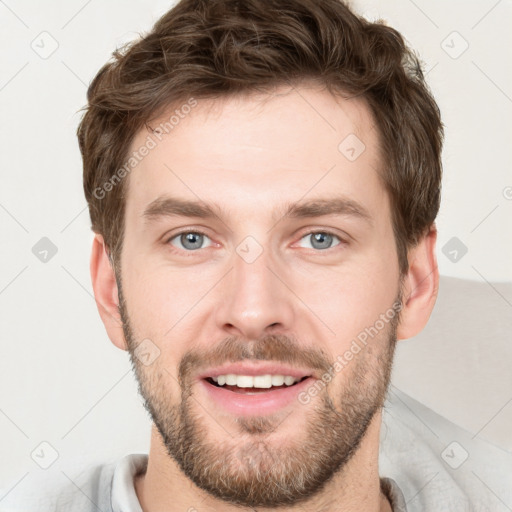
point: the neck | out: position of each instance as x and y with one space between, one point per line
357 487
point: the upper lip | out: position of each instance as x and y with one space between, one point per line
245 368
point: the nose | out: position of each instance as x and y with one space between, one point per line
255 299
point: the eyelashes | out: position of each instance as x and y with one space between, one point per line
187 240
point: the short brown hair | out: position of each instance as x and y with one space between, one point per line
218 48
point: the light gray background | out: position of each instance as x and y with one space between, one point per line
62 381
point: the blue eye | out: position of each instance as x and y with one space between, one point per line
189 240
321 240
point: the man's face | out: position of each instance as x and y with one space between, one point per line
254 285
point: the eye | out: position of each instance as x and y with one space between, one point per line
321 240
189 240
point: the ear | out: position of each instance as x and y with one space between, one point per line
420 287
106 293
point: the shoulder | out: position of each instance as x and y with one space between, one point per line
86 491
437 464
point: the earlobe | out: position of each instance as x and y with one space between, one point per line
420 287
106 293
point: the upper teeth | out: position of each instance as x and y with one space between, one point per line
258 381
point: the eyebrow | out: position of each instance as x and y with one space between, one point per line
167 206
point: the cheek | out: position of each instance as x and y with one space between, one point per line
352 297
161 296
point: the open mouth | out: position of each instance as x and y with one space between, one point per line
250 395
252 389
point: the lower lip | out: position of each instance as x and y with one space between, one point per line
260 403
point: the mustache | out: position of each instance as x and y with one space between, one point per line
273 348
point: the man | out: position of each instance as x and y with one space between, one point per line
263 179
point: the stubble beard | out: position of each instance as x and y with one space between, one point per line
247 468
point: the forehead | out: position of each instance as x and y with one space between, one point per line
247 153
